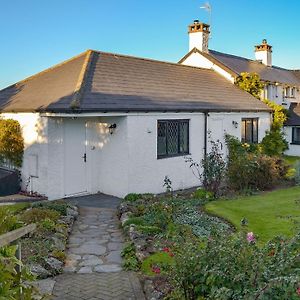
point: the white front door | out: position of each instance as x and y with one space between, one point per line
75 157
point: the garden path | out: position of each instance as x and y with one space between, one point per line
93 265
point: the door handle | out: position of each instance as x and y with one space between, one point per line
84 157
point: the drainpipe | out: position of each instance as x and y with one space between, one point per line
205 132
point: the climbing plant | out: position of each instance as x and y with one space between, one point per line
11 142
251 83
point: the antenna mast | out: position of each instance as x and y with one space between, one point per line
207 7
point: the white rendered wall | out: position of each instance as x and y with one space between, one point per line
198 60
34 129
294 149
265 57
146 172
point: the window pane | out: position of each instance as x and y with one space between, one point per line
249 131
161 138
243 131
173 133
296 135
183 137
255 131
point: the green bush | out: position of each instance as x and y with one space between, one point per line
131 263
11 142
11 282
59 206
132 197
251 169
150 230
36 215
8 222
274 143
202 194
236 268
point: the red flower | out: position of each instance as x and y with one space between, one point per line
298 291
156 270
171 254
166 249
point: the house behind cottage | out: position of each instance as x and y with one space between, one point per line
103 122
280 85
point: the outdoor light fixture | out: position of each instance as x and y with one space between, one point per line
235 124
112 128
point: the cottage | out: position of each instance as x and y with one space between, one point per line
118 124
280 85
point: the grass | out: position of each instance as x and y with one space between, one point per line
268 214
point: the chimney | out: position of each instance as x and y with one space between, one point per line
263 53
199 34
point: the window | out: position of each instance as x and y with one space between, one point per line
250 130
296 135
172 138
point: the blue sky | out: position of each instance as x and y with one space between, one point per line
37 34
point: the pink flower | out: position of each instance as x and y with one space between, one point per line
298 291
250 237
156 270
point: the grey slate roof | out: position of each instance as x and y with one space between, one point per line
103 82
273 74
294 115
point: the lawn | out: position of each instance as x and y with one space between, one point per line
268 214
291 159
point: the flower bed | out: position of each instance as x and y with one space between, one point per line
183 253
156 227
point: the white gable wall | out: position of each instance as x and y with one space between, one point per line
196 59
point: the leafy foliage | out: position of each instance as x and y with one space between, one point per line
131 263
11 142
236 268
59 206
12 284
36 215
251 83
279 114
132 197
274 143
248 170
210 171
157 263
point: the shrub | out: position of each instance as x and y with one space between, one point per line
150 230
11 282
8 221
210 171
251 169
251 83
274 143
36 215
11 142
132 197
131 263
59 206
202 194
236 268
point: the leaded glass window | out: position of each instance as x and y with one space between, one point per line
172 138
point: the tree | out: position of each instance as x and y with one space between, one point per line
11 142
251 83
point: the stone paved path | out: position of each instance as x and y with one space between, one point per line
93 265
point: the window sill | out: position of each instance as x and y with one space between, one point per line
295 143
172 156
